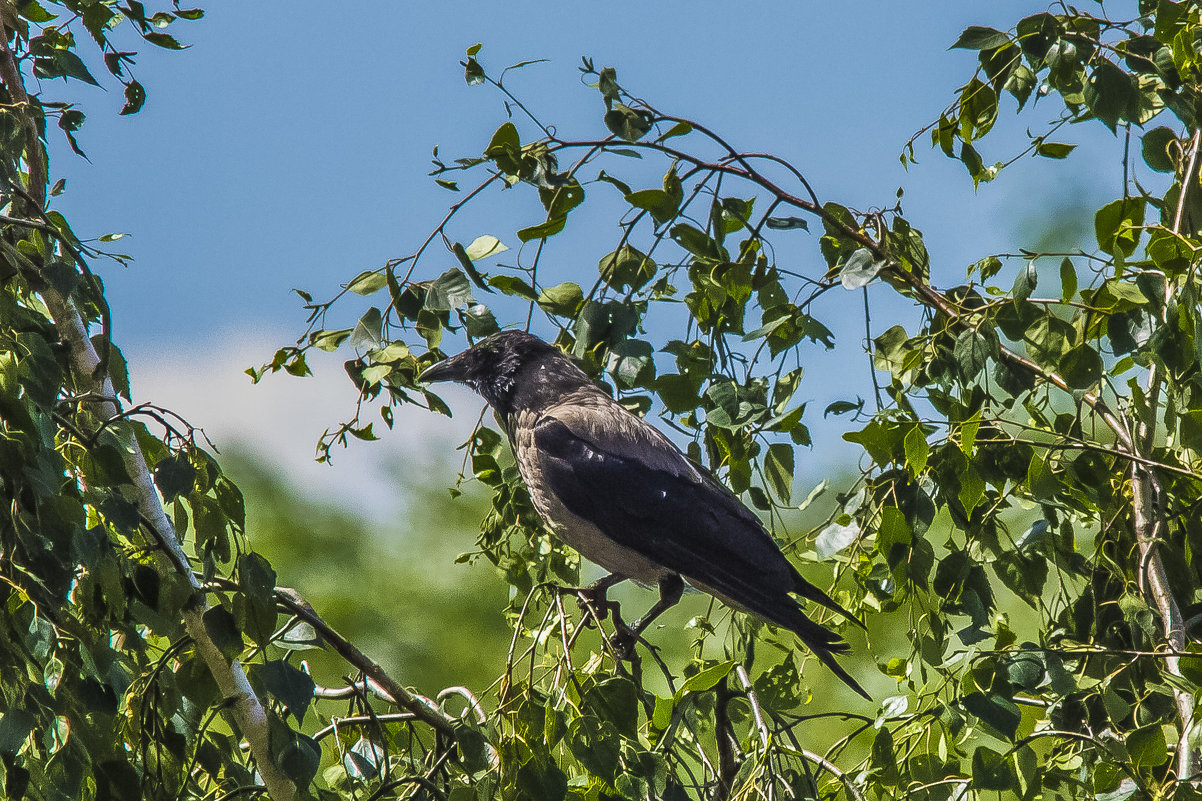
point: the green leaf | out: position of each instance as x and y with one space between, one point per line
626 268
15 726
842 407
72 66
479 321
595 743
859 269
33 11
705 679
679 129
1054 150
661 203
505 140
679 393
562 299
976 37
1147 746
449 291
695 241
1025 282
296 755
987 267
917 450
368 330
893 535
778 469
543 230
300 637
1118 225
972 350
484 247
512 285
560 200
473 73
615 700
329 341
1082 367
364 759
367 282
632 363
70 121
1068 280
257 580
465 261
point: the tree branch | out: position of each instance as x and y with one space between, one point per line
231 679
1146 518
422 708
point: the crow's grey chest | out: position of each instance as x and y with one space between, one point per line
581 534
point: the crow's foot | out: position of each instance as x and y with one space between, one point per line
592 600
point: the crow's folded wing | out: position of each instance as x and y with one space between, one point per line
632 483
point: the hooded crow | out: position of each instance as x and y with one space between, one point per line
622 494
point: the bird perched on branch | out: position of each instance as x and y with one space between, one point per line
622 494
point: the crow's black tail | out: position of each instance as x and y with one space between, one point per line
823 642
811 593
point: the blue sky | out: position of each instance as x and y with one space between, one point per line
289 145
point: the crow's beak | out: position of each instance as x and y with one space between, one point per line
451 369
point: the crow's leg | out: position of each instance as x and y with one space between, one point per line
592 599
671 587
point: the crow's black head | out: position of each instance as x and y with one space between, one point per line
495 367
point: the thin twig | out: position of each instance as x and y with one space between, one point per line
829 766
354 720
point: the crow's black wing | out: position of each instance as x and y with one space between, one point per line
630 481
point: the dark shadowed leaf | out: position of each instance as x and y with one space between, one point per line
543 230
1111 94
222 629
997 712
1161 149
778 469
976 37
164 40
787 223
991 770
289 685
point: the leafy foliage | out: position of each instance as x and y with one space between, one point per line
1024 525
